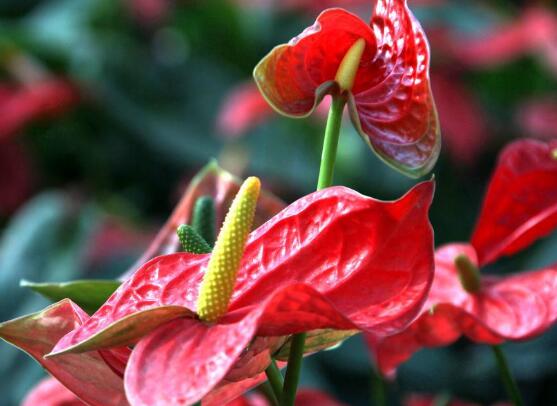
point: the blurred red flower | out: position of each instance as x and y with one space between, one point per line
520 206
390 100
17 176
533 32
243 108
463 124
45 99
538 118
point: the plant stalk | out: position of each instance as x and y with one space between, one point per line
326 170
275 379
507 377
330 143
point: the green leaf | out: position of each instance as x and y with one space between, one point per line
88 294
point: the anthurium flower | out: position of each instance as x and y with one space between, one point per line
332 260
388 89
520 207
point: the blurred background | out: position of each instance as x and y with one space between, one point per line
109 107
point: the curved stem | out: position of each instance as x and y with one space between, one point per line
275 379
330 143
506 376
328 157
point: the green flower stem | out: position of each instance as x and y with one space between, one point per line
378 387
328 156
275 379
266 390
292 377
330 143
507 377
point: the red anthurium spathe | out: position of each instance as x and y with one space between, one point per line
390 99
519 207
86 375
332 260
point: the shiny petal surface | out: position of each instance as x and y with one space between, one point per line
150 298
521 201
185 347
179 351
222 186
379 281
363 254
391 103
50 392
295 76
511 308
86 375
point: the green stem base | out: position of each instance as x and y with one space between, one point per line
276 381
506 376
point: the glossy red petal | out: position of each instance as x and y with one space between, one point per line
520 205
511 308
50 392
162 290
179 351
222 186
372 259
185 347
116 359
391 103
295 76
86 375
379 280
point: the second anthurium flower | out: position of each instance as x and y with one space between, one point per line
331 260
381 69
